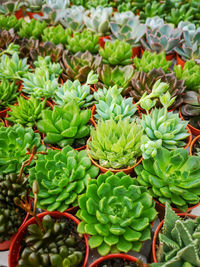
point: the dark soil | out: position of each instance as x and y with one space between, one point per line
117 262
196 147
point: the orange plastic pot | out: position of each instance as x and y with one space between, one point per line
136 51
103 170
19 14
155 238
168 57
31 14
192 144
189 138
194 130
16 245
179 61
102 41
113 256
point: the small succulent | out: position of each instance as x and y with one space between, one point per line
65 125
152 9
190 74
57 4
149 148
78 66
178 240
188 26
171 176
131 31
84 41
154 22
115 144
34 5
54 243
56 35
97 20
196 148
143 82
45 63
116 212
8 93
27 112
165 38
13 67
6 38
73 18
10 7
116 53
75 91
14 142
111 104
10 22
190 108
32 29
121 18
52 15
190 49
150 61
96 3
68 178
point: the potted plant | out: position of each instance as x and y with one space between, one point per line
152 9
116 212
11 8
190 110
56 34
65 125
177 233
171 176
195 146
32 29
59 188
33 7
10 22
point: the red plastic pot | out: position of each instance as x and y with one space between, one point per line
155 238
31 14
179 61
102 41
192 144
194 130
136 51
168 57
15 247
113 256
19 14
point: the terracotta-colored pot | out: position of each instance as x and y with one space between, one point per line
192 144
16 243
194 130
102 41
189 138
103 170
155 238
113 256
31 14
179 61
19 14
136 51
169 57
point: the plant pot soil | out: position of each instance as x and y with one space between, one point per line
31 14
155 238
115 260
168 57
179 61
194 130
17 243
102 41
19 14
136 51
3 113
194 145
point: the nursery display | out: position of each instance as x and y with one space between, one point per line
99 118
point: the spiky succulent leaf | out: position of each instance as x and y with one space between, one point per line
33 29
56 35
8 93
10 22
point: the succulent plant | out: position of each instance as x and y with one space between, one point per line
57 4
33 29
130 31
84 41
45 63
190 49
118 213
154 22
190 108
8 93
196 148
13 67
115 144
78 66
124 7
56 243
111 104
171 176
178 240
69 176
116 53
10 7
10 50
143 82
96 3
149 148
75 91
165 38
34 5
188 26
56 35
73 18
6 38
190 74
120 76
65 125
97 20
27 112
14 142
152 9
150 61
122 18
10 22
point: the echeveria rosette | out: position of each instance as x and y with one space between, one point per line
14 142
65 125
171 176
116 212
62 176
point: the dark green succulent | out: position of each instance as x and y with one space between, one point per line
68 178
33 29
8 93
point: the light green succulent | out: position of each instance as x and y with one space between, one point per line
56 35
33 29
8 93
9 22
45 63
